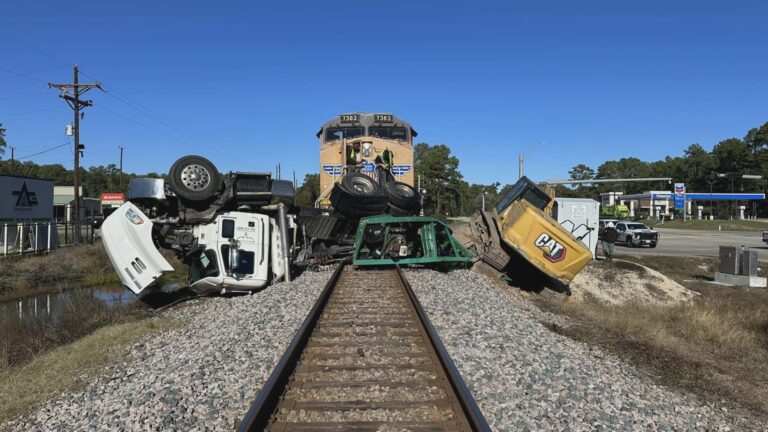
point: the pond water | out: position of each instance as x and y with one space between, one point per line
52 308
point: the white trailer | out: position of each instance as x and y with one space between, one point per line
581 217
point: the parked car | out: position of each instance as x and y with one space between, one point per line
635 234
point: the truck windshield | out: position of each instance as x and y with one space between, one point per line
337 133
245 261
636 226
204 266
389 132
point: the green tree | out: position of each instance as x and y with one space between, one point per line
309 191
733 155
757 138
440 177
581 172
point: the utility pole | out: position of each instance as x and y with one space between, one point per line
71 92
121 168
520 167
13 149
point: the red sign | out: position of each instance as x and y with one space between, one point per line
109 198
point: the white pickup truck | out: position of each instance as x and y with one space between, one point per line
232 234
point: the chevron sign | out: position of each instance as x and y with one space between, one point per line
332 169
400 170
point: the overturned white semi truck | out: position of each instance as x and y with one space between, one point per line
233 235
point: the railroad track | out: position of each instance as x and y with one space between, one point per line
365 359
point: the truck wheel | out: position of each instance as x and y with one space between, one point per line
653 245
359 185
628 241
194 178
402 196
356 205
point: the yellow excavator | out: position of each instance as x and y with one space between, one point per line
520 240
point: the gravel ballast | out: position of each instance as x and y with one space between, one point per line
202 376
526 377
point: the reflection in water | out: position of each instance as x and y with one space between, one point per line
55 307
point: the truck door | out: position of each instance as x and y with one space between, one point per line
246 233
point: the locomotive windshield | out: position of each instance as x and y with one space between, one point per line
336 133
388 132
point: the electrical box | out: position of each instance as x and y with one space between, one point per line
729 259
749 263
580 217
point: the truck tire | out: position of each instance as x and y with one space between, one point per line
628 241
194 178
653 245
355 205
402 196
360 185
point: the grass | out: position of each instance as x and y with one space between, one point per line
62 369
22 340
724 224
716 345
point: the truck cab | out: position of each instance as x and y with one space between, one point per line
236 251
233 233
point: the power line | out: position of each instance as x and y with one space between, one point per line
42 53
43 151
202 146
23 75
153 115
133 104
23 96
32 112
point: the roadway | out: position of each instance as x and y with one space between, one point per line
699 243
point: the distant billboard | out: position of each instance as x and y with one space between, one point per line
25 199
112 198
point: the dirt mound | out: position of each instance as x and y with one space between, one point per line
623 282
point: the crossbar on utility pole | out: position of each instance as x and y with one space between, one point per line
71 92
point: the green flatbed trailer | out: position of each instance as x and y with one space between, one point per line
388 240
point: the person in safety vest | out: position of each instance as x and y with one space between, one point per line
385 159
353 154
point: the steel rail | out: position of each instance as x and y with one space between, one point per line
261 412
466 400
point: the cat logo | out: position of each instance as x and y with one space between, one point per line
553 250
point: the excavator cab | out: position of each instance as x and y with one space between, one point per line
521 240
536 236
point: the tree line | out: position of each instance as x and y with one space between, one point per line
720 170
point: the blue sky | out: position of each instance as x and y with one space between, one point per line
248 84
